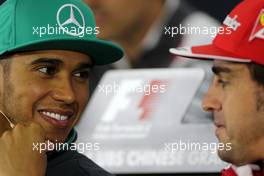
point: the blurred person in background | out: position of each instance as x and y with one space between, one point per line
141 28
218 9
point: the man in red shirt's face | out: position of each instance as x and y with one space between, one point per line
237 102
236 95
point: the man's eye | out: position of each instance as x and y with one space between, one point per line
222 83
82 74
48 70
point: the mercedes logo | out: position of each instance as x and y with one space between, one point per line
71 20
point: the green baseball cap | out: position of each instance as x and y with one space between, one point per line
30 25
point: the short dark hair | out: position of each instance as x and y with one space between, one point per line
257 73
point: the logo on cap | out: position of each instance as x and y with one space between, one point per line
258 30
262 19
73 13
232 22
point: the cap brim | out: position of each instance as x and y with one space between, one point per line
207 52
102 52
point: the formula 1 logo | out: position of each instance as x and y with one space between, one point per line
122 101
75 18
150 101
258 30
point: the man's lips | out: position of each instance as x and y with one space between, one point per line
59 118
219 127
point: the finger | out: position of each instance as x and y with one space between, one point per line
32 131
38 129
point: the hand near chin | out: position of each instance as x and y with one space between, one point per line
16 150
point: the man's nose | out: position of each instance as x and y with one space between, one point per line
211 101
64 91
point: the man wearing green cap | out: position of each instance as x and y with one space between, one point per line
47 49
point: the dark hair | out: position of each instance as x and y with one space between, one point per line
257 73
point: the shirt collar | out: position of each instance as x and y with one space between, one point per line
246 170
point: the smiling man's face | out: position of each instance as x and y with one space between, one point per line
234 98
48 87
